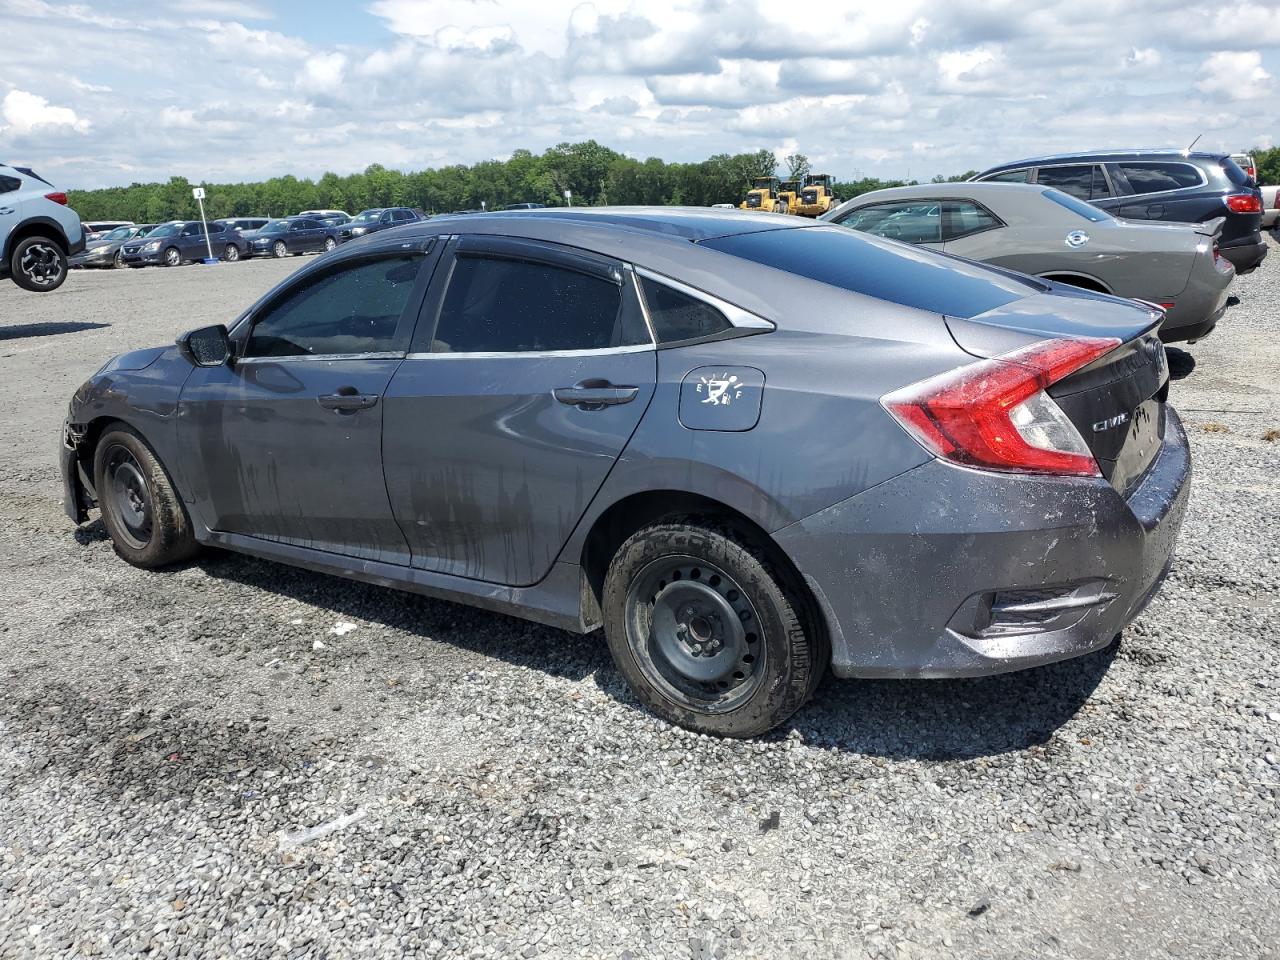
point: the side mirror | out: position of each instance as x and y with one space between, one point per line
206 347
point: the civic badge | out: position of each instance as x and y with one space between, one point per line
1077 238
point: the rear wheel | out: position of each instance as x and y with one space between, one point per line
38 264
141 510
706 632
231 254
329 244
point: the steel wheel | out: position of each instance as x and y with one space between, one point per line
41 264
172 257
279 249
695 634
128 496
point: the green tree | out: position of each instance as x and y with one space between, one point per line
797 166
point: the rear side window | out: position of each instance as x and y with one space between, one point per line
963 218
496 305
352 310
677 317
860 263
1235 173
1158 177
9 184
1084 181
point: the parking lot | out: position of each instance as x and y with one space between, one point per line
485 787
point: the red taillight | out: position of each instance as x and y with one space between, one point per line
57 198
1244 203
994 414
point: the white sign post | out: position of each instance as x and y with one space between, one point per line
568 197
198 194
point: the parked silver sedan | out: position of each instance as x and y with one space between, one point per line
1052 235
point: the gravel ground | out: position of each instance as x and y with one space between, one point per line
239 759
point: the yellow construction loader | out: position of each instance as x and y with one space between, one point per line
762 196
788 196
816 198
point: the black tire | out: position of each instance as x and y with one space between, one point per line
172 257
118 260
231 254
140 508
279 250
737 658
38 264
329 244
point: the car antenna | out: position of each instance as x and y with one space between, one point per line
1193 143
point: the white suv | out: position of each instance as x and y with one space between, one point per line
38 231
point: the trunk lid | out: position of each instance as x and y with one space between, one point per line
1117 403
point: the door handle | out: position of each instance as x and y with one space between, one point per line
7 209
343 402
594 394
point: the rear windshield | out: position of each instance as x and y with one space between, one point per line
879 268
1079 207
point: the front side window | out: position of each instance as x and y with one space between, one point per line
1009 176
678 317
964 218
913 221
1075 179
353 310
496 305
1158 177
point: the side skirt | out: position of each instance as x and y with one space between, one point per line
555 601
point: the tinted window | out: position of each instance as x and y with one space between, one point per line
216 228
508 306
676 316
963 217
9 184
1076 180
352 310
854 261
1009 176
1078 207
1154 177
403 215
1234 173
914 221
191 229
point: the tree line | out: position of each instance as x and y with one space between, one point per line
594 174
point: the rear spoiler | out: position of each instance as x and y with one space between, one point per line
1211 228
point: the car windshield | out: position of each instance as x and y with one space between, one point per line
168 230
119 233
1079 207
880 268
368 216
275 226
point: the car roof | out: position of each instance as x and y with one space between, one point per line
1104 156
685 223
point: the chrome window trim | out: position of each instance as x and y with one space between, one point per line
294 357
737 317
504 354
644 305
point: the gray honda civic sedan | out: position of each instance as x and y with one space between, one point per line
751 449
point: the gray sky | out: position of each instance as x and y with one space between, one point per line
108 93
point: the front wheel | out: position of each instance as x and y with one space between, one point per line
38 264
172 257
118 260
279 250
141 509
706 632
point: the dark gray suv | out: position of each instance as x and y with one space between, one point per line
1156 185
751 448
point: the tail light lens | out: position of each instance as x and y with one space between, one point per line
57 198
1244 203
995 414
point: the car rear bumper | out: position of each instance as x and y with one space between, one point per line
1245 254
948 572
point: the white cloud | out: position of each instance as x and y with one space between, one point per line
1237 76
25 112
323 73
